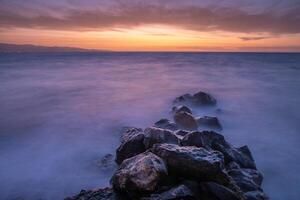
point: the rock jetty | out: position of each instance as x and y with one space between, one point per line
173 160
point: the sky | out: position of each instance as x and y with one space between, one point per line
157 25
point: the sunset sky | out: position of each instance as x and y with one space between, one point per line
157 25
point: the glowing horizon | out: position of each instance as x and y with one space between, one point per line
155 26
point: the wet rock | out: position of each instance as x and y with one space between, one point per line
247 179
130 132
221 192
181 133
192 162
97 194
176 109
132 144
139 175
166 124
106 162
180 192
256 195
215 141
185 121
154 135
199 99
209 122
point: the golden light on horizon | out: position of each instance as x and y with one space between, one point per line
145 38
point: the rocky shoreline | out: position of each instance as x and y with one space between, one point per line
174 161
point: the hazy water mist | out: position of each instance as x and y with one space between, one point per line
59 113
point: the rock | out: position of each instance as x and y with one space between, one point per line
256 195
97 194
199 99
139 175
247 179
156 135
176 109
132 144
215 141
130 132
185 121
221 192
181 133
192 162
166 124
209 122
180 192
106 162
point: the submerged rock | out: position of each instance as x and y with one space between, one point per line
185 121
221 192
215 141
140 174
106 162
256 195
176 109
199 99
97 194
180 192
209 122
247 179
166 124
132 144
156 135
192 162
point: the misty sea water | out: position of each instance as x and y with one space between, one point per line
61 112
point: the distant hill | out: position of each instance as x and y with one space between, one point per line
34 48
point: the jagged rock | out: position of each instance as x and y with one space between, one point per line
209 122
97 194
256 195
130 132
156 135
176 109
181 133
185 121
215 141
166 124
132 144
180 192
139 175
221 192
247 179
192 162
200 99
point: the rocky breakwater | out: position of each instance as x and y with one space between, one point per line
174 160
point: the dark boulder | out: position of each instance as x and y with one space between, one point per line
192 162
180 192
209 122
132 144
256 195
199 99
215 141
185 121
97 194
247 179
130 132
176 109
221 192
166 124
154 135
139 175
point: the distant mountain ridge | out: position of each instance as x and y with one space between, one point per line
10 48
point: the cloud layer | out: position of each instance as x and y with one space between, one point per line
127 14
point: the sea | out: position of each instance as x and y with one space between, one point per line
60 113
